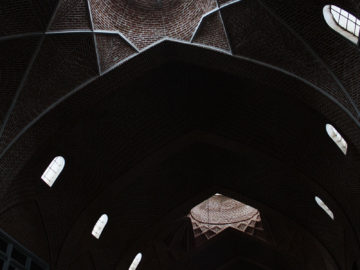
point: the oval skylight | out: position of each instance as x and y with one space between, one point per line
99 226
324 207
342 22
337 138
53 170
135 262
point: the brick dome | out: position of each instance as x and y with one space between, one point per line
155 4
155 105
218 213
221 210
147 21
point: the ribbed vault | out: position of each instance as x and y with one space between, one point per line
157 105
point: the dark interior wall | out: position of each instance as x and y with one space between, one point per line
313 53
277 153
148 137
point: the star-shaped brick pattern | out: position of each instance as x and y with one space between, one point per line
219 213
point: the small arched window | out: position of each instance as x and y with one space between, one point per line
135 262
99 226
337 138
53 170
324 207
342 22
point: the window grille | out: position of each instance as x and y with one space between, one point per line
346 20
342 22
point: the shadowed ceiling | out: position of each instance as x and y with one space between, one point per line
158 105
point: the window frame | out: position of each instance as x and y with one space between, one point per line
333 24
324 207
135 263
51 180
100 226
337 138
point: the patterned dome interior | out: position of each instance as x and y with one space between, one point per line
120 120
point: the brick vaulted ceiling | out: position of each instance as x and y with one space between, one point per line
136 92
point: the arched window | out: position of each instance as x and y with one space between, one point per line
135 262
53 170
342 22
99 226
324 207
337 138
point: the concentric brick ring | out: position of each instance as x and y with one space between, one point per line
155 4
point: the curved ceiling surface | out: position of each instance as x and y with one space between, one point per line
158 105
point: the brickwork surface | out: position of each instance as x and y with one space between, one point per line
272 43
112 49
14 60
339 54
23 16
68 60
182 20
145 22
212 32
72 14
222 2
288 67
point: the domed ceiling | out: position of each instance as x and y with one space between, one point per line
156 105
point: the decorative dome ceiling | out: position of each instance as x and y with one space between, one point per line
155 4
222 210
218 213
145 22
157 105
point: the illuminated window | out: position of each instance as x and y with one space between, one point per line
99 226
53 170
135 262
337 138
342 22
324 207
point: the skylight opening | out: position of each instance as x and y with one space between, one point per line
99 226
136 262
324 207
53 171
337 138
342 22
